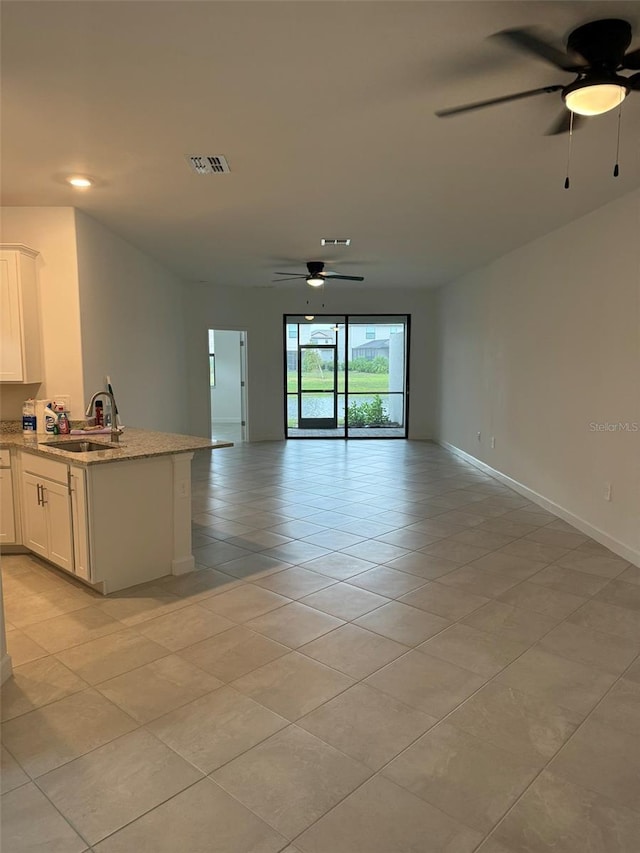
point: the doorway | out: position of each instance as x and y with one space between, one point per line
228 384
346 376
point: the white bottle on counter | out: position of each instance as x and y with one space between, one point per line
29 416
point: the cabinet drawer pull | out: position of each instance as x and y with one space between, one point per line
42 493
39 486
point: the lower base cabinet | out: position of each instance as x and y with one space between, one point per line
48 529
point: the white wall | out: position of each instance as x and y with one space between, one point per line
260 312
132 329
539 345
226 397
50 230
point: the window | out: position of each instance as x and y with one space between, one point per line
293 332
212 360
370 333
394 330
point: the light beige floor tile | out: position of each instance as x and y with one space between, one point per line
381 817
458 552
605 651
201 583
407 538
515 567
556 816
560 538
72 629
367 725
26 610
403 623
353 650
569 580
245 602
478 581
526 626
606 565
256 566
534 550
193 821
423 565
344 601
31 824
602 759
11 774
113 785
291 779
515 721
622 594
294 624
184 627
631 575
22 649
555 679
633 673
483 538
339 566
158 687
233 653
112 655
470 779
475 650
609 619
426 683
216 728
620 708
37 683
138 604
295 582
51 736
493 846
387 582
293 685
549 602
444 601
507 527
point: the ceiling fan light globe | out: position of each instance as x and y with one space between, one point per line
309 316
594 99
315 281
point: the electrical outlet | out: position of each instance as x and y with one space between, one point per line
607 491
493 442
479 436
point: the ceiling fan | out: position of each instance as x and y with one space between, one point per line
316 275
595 53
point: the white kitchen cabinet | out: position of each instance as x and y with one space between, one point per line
7 514
80 518
46 507
20 338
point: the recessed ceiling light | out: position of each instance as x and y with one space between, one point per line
79 182
335 241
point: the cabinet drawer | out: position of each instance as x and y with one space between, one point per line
5 459
41 467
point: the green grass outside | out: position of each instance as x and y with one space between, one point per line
375 383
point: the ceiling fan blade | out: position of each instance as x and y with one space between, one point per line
291 278
633 82
632 60
526 39
563 123
292 274
478 105
345 277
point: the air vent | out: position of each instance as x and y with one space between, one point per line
212 165
335 241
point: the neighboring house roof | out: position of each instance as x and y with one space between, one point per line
373 345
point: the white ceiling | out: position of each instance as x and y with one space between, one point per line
324 111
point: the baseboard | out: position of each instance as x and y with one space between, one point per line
183 565
6 668
624 551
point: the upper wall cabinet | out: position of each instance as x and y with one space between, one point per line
20 343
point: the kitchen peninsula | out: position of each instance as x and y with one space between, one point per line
114 516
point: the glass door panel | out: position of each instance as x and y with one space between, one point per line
317 375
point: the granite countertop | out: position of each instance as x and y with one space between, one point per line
134 444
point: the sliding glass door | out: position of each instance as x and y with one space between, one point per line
346 376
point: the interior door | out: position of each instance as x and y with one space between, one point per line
318 386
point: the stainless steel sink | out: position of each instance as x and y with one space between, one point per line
79 446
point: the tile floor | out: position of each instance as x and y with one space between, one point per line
383 650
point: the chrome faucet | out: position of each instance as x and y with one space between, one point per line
115 431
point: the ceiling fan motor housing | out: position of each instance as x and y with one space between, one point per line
315 267
602 43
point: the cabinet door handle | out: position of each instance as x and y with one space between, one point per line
39 486
43 500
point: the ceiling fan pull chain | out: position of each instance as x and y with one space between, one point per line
616 168
567 183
